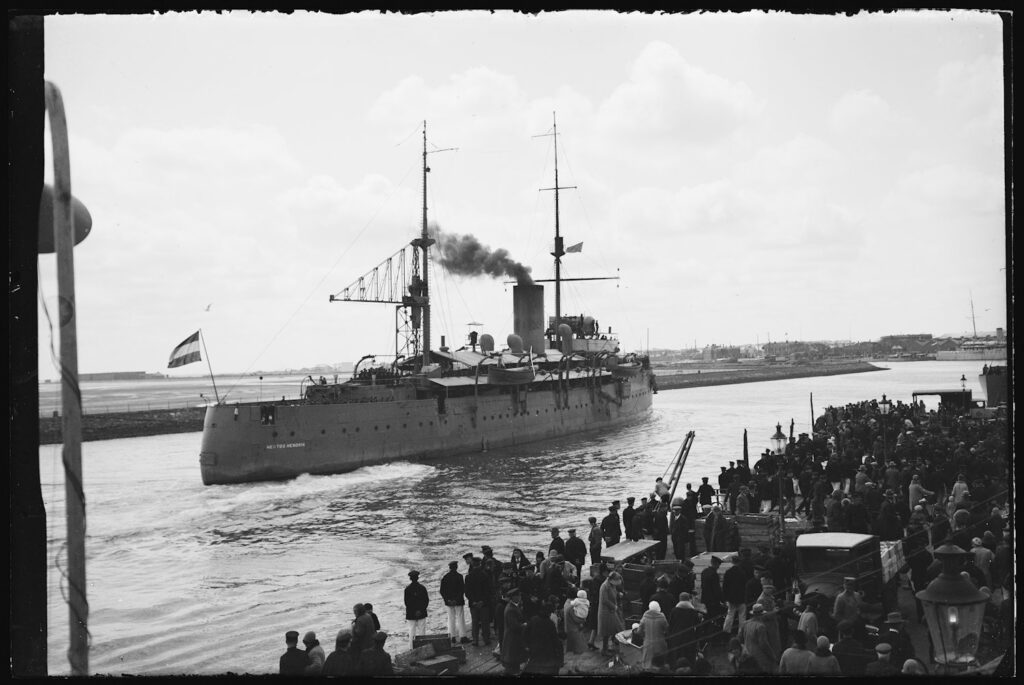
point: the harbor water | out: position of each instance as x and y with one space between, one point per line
188 579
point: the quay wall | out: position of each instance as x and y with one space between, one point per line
761 373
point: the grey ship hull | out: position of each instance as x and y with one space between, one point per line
327 438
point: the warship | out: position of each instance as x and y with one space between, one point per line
553 378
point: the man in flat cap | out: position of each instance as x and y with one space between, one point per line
374 661
416 601
294 660
575 551
882 666
711 588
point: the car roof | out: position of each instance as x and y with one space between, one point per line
832 539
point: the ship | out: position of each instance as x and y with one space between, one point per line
993 383
555 377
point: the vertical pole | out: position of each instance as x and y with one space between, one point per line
812 415
71 398
558 237
426 260
210 367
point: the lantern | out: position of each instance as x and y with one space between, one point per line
954 610
778 440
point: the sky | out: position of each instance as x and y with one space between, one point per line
750 177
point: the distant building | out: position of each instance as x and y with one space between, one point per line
120 376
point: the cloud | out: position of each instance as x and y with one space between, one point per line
863 113
974 91
665 96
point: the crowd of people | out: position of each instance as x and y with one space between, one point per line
901 475
358 650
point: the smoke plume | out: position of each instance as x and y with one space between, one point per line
465 256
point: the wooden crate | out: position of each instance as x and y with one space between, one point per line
442 642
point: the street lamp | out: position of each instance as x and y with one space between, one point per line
954 609
779 443
884 407
963 391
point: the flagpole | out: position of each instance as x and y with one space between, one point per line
71 397
209 366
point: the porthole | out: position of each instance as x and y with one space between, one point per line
323 432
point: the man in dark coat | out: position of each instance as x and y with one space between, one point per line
513 645
294 660
362 630
714 530
683 580
374 661
575 551
480 595
627 518
711 588
663 596
611 527
857 520
546 652
705 493
882 666
557 543
660 533
678 530
453 589
682 629
889 525
595 540
416 601
849 652
648 586
734 591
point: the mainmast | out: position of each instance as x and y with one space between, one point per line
559 245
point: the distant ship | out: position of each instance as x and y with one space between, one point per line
974 351
555 378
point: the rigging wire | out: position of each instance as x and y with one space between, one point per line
323 278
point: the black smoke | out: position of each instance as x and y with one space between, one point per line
466 256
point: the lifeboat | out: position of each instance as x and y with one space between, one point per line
515 375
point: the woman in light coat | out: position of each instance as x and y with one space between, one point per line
654 629
609 613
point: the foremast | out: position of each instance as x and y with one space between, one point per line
419 286
559 243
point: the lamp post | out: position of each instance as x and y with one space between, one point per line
963 391
779 445
954 610
884 407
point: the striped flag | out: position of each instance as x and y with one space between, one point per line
578 247
186 352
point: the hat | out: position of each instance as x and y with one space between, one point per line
572 530
823 642
554 530
581 594
514 592
309 637
687 563
883 648
654 606
615 502
453 565
291 636
615 578
850 578
380 636
485 549
715 560
414 574
344 634
685 597
894 617
758 609
467 555
631 499
890 493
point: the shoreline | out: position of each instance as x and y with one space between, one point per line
109 426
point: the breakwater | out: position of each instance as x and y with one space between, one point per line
127 424
760 373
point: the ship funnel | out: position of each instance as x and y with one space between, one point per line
565 336
486 343
515 344
528 315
